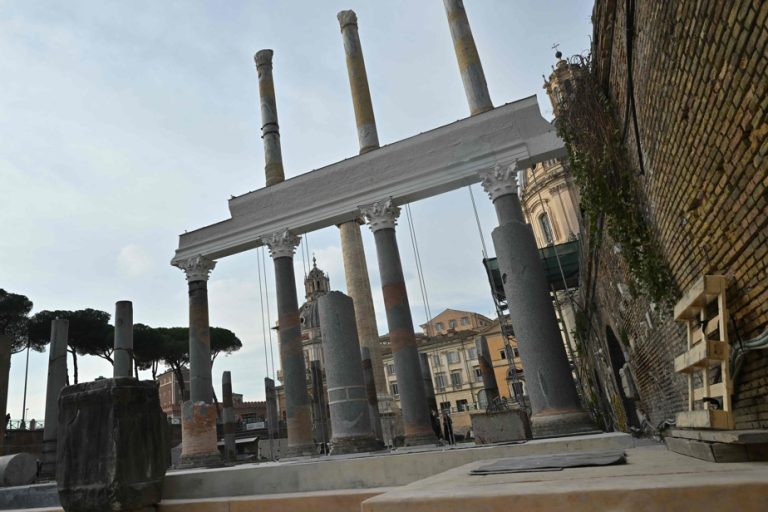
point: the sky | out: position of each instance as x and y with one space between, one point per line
123 124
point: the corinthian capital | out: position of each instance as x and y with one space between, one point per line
499 181
381 215
197 268
281 244
346 18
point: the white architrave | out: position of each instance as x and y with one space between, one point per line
428 164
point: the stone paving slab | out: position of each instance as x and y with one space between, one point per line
652 479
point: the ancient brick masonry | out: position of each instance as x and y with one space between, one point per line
701 90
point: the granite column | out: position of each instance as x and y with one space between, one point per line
123 349
270 130
555 406
230 451
382 217
57 379
282 246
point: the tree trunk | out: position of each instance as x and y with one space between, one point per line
154 370
180 381
74 364
5 369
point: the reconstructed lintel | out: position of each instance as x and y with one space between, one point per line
421 166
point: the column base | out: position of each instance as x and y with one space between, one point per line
355 445
420 439
48 460
300 450
562 424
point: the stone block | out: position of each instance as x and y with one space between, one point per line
113 445
17 469
500 427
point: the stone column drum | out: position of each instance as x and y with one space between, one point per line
417 424
57 379
198 414
471 70
486 369
282 245
347 400
123 356
270 130
230 450
555 406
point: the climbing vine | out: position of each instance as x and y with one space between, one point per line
587 122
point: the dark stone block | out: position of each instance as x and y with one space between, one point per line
112 446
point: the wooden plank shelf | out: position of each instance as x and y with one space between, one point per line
703 291
705 418
702 355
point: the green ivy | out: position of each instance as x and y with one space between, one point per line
587 122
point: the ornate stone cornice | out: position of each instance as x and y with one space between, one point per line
346 18
197 268
282 244
263 58
381 214
499 181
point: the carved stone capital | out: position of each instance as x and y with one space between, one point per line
381 214
346 18
282 244
263 58
197 268
499 181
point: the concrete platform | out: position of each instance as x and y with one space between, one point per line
652 479
362 471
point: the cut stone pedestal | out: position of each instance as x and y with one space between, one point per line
113 446
501 426
561 423
198 435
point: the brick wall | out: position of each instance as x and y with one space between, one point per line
701 90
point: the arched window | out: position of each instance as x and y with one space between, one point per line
546 229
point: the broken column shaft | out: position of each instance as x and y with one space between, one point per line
347 400
471 70
355 266
486 369
555 406
57 379
282 245
270 130
198 414
230 451
123 349
429 387
382 217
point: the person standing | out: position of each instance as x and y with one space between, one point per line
448 428
436 424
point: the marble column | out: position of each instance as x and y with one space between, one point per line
198 414
230 451
282 246
381 218
555 406
347 400
471 70
429 387
355 266
486 369
57 379
270 130
123 349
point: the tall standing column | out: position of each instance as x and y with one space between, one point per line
123 355
282 245
198 414
555 406
57 379
471 70
355 266
230 451
270 130
382 217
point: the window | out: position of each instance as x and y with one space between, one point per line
456 378
478 374
436 361
471 353
445 406
393 389
465 320
452 324
452 357
462 405
390 369
502 354
440 381
439 326
546 229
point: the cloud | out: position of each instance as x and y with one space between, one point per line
134 260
